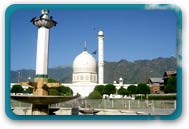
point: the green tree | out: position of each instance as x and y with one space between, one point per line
142 88
53 91
95 95
64 90
109 89
61 90
50 80
29 90
17 89
78 94
132 89
100 89
171 86
122 91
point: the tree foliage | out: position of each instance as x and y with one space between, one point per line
132 89
78 95
29 90
61 90
64 90
109 89
50 80
53 91
171 85
142 88
95 95
122 91
17 89
100 89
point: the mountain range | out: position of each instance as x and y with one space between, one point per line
131 72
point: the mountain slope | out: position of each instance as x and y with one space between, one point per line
131 72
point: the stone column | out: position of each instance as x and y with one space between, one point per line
44 24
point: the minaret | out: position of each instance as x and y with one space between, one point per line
100 57
44 24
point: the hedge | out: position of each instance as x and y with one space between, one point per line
157 97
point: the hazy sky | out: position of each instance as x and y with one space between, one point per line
129 34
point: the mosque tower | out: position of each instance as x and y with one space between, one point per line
100 57
44 24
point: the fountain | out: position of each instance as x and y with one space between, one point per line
40 99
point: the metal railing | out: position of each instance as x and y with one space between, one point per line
148 106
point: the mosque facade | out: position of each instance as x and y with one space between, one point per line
85 76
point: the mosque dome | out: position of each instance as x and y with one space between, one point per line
84 68
84 62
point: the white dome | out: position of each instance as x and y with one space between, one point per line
84 63
100 33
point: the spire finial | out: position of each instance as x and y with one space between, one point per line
85 46
45 11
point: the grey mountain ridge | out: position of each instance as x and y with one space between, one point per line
131 72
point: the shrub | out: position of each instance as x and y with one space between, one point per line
162 97
95 95
139 97
171 86
109 89
132 89
100 89
50 80
53 91
142 88
61 90
157 97
29 90
122 91
17 89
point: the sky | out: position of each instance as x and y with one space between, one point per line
128 34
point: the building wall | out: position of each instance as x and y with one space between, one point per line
155 89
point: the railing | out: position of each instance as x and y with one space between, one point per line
148 106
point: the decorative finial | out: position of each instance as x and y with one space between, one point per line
45 12
85 46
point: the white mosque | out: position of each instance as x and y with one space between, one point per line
85 76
